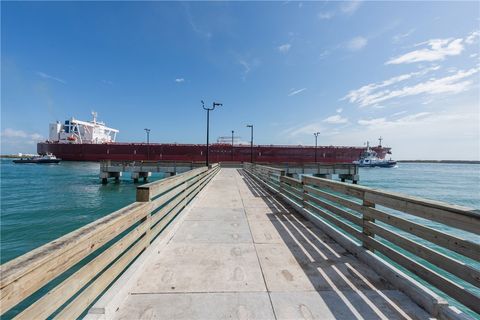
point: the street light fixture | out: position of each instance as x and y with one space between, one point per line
316 134
232 143
148 142
251 141
214 105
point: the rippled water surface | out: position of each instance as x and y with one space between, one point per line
40 203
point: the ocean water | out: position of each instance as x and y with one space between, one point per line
40 203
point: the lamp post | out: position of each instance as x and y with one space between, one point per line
232 143
251 141
214 105
148 142
316 134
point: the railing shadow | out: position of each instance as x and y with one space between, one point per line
349 289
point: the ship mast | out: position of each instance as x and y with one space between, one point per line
380 141
94 115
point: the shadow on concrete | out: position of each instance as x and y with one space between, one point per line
348 287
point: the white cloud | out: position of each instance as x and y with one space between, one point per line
248 65
107 82
12 136
294 92
357 43
179 80
335 119
439 50
47 76
11 133
339 110
350 7
375 93
325 15
401 36
472 37
306 129
284 48
385 124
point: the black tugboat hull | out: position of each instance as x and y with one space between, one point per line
50 161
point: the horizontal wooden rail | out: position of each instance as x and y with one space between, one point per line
357 211
126 232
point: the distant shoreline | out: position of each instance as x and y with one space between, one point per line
441 161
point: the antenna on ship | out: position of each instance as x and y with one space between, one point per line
94 115
380 141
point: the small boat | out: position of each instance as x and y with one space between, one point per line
48 158
369 159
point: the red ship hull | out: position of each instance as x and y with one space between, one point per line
189 152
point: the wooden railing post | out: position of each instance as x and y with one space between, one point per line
365 219
304 193
143 194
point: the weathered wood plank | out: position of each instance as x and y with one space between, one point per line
55 298
455 267
152 189
26 274
338 211
78 305
447 286
291 181
458 217
342 225
342 201
355 191
297 193
454 243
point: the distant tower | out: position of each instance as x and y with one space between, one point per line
380 142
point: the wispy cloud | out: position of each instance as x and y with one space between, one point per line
179 80
472 37
339 110
350 7
384 123
248 64
295 92
372 94
12 136
436 49
306 129
195 27
107 82
401 36
356 43
335 119
284 48
47 76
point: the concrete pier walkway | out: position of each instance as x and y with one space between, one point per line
239 253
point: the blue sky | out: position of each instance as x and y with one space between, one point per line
407 71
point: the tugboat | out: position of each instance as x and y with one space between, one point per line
48 158
369 159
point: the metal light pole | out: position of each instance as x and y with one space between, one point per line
316 134
148 142
214 105
232 143
251 141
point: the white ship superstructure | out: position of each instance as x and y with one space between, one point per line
77 131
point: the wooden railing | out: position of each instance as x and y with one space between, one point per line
100 251
381 222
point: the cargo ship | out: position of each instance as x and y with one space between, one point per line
76 140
